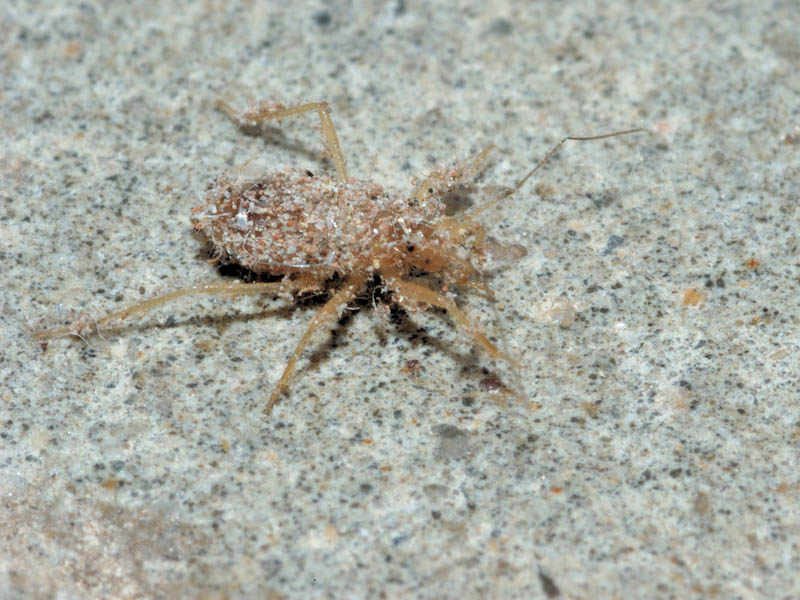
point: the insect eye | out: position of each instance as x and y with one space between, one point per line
410 247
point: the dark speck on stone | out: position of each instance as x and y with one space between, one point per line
614 241
322 18
449 432
454 442
500 27
548 585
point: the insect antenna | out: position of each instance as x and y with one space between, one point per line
502 196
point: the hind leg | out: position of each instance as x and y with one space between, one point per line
219 289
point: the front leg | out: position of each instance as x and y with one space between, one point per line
442 179
331 309
424 295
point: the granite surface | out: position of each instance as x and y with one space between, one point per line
651 447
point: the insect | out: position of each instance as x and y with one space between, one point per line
309 230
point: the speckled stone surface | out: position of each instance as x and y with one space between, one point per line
655 318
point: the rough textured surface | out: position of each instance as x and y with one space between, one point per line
655 316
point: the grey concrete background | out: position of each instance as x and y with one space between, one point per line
655 316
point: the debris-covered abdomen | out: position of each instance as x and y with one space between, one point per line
289 222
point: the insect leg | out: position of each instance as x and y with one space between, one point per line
229 289
440 179
420 293
266 111
331 308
